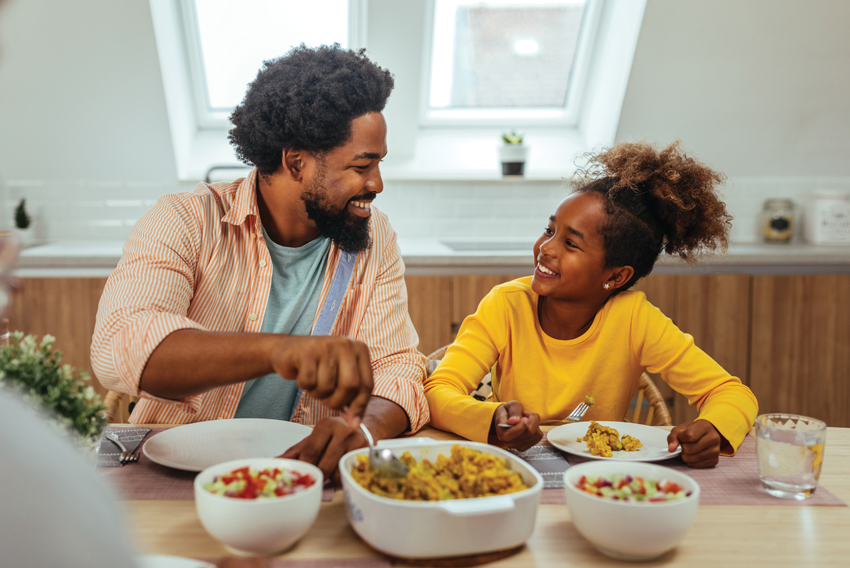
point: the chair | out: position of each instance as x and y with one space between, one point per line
657 415
657 407
118 406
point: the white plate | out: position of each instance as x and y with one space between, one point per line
654 441
163 561
195 447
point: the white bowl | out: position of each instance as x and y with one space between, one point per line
258 526
439 529
630 530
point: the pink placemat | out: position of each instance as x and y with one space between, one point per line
317 563
145 479
734 481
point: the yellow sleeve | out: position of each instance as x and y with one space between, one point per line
465 363
722 399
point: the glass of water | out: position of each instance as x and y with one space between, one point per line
790 454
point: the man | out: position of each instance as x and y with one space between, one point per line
219 289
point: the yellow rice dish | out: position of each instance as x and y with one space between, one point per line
602 439
467 474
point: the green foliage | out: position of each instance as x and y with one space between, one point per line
35 370
22 218
512 138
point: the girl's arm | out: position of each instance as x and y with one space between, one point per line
466 361
722 399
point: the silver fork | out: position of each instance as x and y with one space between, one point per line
126 456
576 415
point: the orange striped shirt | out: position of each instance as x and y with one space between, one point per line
198 260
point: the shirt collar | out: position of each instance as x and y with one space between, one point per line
245 202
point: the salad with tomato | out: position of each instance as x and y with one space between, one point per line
246 483
628 488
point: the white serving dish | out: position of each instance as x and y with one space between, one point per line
250 527
630 530
439 529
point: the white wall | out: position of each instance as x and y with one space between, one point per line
756 88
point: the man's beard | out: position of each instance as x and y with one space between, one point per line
349 232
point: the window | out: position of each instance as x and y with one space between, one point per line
506 59
554 70
228 40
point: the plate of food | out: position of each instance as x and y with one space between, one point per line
612 440
197 446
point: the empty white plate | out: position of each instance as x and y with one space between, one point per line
654 441
195 447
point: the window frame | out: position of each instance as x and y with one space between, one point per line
209 118
521 117
418 151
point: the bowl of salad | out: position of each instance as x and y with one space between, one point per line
258 506
631 511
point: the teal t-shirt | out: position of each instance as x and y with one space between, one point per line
297 277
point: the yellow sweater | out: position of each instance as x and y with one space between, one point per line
550 376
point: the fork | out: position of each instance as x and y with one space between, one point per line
126 456
576 415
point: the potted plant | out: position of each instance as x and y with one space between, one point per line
34 369
513 154
23 220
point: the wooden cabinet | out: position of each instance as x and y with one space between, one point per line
64 308
429 301
787 337
800 360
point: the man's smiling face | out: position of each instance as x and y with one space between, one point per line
346 180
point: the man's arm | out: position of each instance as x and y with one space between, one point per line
190 362
333 369
332 438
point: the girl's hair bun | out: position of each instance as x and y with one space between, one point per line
664 198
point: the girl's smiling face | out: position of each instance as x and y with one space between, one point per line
570 256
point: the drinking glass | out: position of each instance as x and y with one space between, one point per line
790 454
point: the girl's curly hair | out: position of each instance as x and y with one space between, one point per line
655 201
306 100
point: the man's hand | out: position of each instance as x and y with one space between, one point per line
700 443
335 370
331 439
524 429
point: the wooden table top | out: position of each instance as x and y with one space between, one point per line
769 535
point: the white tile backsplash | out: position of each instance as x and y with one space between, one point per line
79 210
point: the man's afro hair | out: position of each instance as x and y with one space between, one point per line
306 100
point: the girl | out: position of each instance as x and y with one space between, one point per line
574 329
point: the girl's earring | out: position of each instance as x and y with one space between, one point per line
606 286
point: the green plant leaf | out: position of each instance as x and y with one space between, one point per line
35 369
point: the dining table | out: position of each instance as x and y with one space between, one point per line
774 535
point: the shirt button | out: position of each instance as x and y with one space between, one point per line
262 263
252 317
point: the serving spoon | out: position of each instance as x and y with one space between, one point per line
383 460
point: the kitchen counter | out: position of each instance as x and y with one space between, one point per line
455 256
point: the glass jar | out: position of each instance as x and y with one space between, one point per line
778 220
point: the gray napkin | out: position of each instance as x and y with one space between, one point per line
109 452
548 462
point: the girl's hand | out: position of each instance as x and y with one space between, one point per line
524 429
700 443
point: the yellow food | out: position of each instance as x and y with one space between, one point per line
602 439
467 474
589 400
